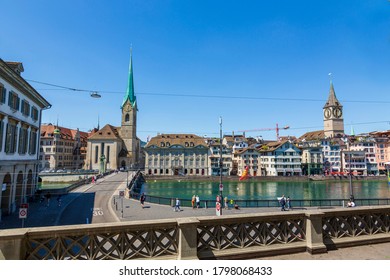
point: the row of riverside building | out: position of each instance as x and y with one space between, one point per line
28 147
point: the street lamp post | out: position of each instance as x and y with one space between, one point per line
220 164
350 175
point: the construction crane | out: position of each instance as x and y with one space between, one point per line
277 128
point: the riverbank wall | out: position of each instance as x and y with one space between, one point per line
263 178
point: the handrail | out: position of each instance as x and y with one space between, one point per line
246 203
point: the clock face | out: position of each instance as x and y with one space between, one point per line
127 107
327 113
337 112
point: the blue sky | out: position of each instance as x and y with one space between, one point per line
255 63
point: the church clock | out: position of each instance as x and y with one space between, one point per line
337 113
127 107
327 113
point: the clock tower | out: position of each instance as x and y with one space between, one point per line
129 153
333 115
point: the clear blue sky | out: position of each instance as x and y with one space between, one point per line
275 52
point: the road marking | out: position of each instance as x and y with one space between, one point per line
97 212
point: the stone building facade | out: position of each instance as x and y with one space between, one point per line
20 119
177 154
62 148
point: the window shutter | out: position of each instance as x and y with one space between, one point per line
10 99
17 102
22 108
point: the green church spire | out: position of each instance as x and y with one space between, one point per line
130 85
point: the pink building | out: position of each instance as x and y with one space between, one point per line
382 147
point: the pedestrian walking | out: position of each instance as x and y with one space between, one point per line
289 203
142 200
283 203
177 205
59 200
226 202
197 199
193 201
48 196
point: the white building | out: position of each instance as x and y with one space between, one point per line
367 144
281 159
331 149
214 159
20 119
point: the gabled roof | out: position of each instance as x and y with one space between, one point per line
231 138
107 132
47 130
242 151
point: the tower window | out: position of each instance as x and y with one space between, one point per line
127 118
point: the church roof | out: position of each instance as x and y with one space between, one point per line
130 95
332 99
312 135
107 132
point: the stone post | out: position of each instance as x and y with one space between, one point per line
314 239
188 238
12 245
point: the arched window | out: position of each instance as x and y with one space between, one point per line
127 118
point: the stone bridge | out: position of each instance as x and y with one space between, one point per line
229 237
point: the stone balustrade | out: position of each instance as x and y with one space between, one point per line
226 237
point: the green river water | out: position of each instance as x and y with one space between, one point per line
269 190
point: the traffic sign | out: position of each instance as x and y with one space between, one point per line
24 205
22 213
220 187
121 193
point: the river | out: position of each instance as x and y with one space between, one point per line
251 190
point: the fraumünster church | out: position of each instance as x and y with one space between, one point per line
116 147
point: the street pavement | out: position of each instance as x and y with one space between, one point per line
39 215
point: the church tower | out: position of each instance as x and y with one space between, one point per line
129 121
333 115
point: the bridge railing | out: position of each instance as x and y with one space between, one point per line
230 237
298 203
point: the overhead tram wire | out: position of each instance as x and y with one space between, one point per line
208 96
